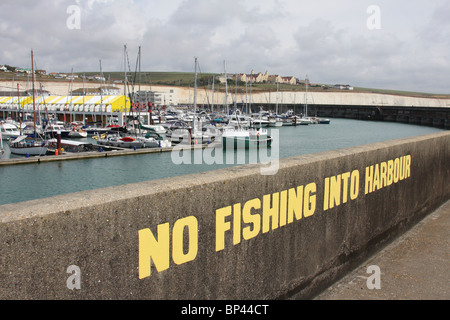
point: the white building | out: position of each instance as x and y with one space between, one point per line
156 98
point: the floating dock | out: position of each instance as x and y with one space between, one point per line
112 152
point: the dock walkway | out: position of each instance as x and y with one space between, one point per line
93 154
416 266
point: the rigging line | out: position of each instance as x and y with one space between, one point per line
129 69
136 68
205 88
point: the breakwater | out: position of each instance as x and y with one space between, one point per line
184 96
226 234
419 109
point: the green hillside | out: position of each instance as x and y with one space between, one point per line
204 80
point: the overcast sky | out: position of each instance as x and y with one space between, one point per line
394 44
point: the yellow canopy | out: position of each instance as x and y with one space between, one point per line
117 103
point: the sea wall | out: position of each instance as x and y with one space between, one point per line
233 233
185 96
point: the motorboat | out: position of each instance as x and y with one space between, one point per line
239 120
92 130
206 134
179 131
311 120
299 121
275 122
77 133
116 140
259 121
54 128
324 121
153 128
154 140
71 145
9 130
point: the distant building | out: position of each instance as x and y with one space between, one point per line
23 70
265 78
221 78
252 77
60 76
289 80
275 79
99 78
156 99
343 87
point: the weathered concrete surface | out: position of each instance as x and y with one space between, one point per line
416 266
98 231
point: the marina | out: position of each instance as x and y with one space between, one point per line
135 165
40 177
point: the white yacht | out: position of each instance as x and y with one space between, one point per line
9 130
241 138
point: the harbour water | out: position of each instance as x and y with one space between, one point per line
35 181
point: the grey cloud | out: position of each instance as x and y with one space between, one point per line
324 39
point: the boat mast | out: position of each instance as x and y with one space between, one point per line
195 85
306 96
34 103
71 97
125 75
18 108
226 86
276 108
212 102
139 75
139 90
101 92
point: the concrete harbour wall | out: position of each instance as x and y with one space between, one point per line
226 234
184 95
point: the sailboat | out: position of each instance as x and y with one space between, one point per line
313 120
260 120
9 130
276 121
25 145
239 137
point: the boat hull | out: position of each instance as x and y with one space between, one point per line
77 134
30 151
246 142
